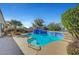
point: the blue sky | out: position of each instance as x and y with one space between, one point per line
27 13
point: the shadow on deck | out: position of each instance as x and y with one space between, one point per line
9 47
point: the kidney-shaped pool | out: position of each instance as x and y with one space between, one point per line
44 39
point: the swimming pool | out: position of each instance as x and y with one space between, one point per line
44 39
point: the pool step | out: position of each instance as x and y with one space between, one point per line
37 48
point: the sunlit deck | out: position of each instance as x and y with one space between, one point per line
54 48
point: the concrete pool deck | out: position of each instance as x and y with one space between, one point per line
54 48
9 47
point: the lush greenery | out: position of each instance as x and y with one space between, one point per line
54 27
16 23
38 23
14 26
70 20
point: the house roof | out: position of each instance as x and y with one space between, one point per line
2 18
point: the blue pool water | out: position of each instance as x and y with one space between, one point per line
44 39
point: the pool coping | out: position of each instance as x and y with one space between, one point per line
25 49
24 46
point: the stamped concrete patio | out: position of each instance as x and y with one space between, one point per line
9 47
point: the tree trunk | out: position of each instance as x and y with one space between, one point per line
73 48
14 29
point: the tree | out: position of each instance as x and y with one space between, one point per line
54 27
15 24
38 23
61 26
70 20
